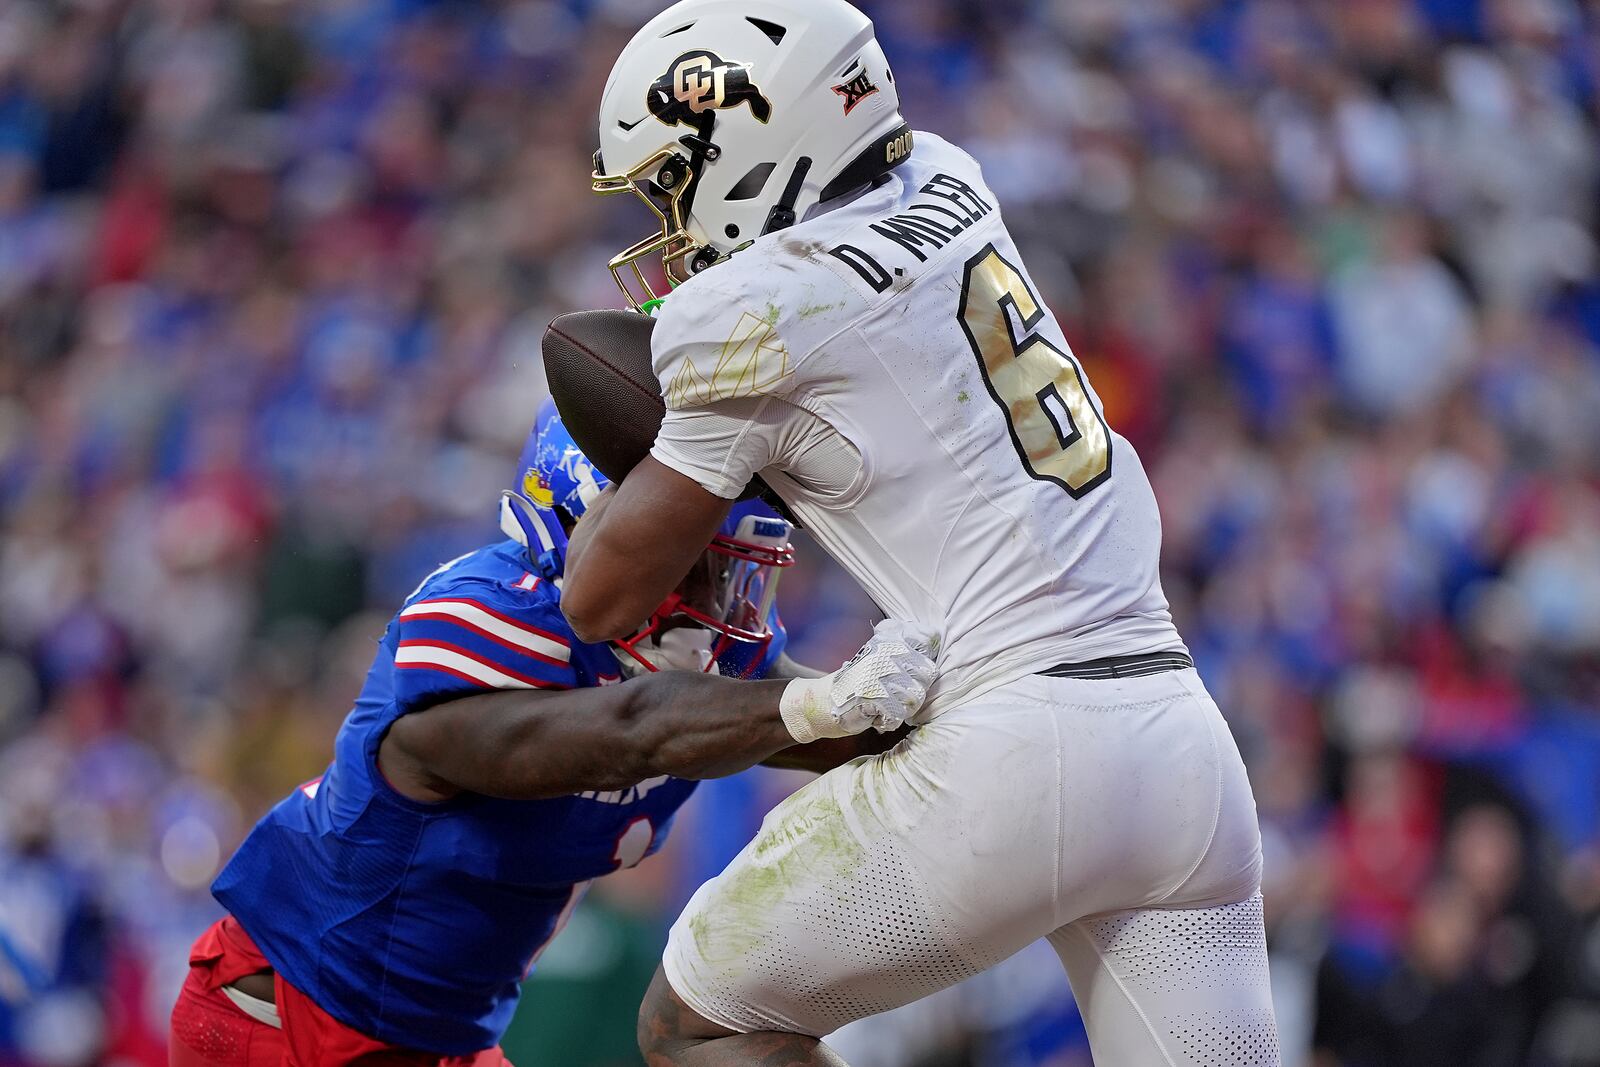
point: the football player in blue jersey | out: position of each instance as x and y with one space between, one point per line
492 767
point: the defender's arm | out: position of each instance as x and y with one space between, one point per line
529 744
820 757
633 547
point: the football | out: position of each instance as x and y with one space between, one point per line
599 371
598 366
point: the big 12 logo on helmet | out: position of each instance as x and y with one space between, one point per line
855 90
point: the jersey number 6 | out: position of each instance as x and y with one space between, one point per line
1056 428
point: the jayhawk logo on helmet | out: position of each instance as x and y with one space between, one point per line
699 81
536 487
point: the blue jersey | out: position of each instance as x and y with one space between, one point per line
416 923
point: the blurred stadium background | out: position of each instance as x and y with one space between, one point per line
272 278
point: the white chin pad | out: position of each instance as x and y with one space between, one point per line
687 648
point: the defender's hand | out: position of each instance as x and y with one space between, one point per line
882 685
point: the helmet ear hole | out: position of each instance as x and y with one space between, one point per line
749 187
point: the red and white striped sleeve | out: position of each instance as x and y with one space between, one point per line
454 643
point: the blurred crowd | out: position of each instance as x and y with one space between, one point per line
272 278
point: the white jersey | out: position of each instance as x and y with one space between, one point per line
888 368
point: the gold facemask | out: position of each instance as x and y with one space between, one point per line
673 243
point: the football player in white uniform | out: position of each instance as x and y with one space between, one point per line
854 324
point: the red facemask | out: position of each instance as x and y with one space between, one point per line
721 611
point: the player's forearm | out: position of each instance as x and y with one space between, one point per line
604 594
529 744
632 550
820 757
521 746
578 540
693 725
607 593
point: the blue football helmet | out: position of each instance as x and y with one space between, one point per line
731 590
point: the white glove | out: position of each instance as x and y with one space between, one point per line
881 686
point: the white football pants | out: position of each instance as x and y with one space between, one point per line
1112 817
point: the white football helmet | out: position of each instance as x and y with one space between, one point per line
733 118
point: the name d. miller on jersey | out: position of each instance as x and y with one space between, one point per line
929 225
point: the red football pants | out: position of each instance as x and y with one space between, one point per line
208 1030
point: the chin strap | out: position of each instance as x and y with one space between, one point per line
538 530
702 150
782 215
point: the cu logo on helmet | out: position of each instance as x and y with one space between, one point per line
699 82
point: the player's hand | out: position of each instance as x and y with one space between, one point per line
880 687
